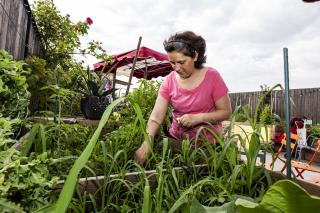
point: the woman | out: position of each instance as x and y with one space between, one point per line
197 94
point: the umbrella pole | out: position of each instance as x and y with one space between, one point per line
287 111
133 65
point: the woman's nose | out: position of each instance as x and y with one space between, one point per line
176 66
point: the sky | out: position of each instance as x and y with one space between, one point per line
245 38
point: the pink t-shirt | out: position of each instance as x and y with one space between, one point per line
198 100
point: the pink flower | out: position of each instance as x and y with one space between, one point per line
89 21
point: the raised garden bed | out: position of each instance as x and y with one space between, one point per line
91 184
67 120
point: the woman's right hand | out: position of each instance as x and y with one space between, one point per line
141 153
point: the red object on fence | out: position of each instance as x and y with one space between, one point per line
295 123
150 63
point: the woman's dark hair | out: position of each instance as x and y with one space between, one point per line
187 43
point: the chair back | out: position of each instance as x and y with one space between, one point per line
316 152
293 144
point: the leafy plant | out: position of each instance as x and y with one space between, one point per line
14 94
8 206
283 196
240 116
90 83
6 132
265 116
63 138
315 130
25 181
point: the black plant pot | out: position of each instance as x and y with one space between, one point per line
92 107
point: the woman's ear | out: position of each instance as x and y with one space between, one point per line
195 57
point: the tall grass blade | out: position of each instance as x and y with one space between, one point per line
69 186
146 208
161 180
27 143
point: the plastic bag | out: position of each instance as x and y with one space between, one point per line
302 132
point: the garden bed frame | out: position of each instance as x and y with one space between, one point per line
67 120
91 184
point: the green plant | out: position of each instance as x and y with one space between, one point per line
48 85
36 138
240 115
25 181
39 74
90 83
6 132
265 116
8 206
255 177
68 189
315 130
283 196
62 97
14 94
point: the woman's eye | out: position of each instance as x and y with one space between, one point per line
178 62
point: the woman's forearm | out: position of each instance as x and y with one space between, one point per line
152 128
214 117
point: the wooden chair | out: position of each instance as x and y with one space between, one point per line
300 167
293 144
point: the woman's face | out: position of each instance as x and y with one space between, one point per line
182 64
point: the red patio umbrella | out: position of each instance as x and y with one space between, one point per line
150 63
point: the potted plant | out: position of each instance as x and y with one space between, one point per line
96 90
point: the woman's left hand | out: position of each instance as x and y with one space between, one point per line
189 120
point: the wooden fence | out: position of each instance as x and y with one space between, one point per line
18 32
305 102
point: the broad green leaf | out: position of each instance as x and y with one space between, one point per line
196 206
283 196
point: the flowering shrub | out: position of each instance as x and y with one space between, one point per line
61 40
61 37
